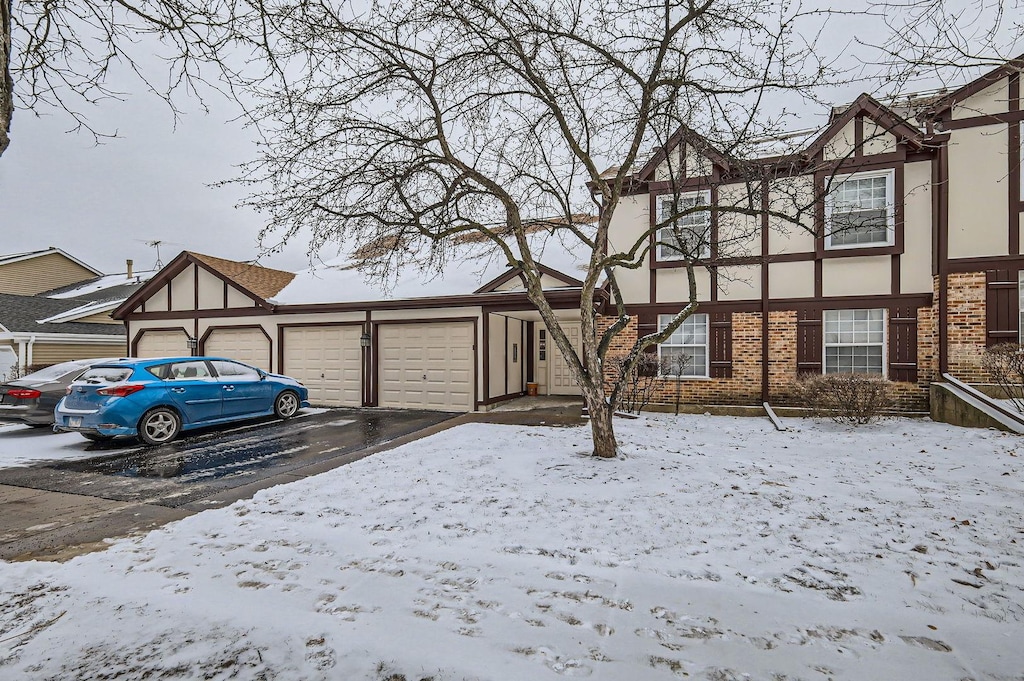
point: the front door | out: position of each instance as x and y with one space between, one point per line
560 382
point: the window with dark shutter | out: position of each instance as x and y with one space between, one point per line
1002 307
808 342
903 344
720 343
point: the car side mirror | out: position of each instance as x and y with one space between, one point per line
263 375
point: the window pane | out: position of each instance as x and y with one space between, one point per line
860 211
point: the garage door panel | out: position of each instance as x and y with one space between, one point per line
328 361
427 366
246 345
163 344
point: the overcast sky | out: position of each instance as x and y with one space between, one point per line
103 203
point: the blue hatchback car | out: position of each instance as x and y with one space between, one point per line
156 399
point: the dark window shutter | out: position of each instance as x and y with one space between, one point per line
720 344
1001 307
808 342
903 344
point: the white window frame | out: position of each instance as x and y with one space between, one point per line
663 322
890 208
884 343
666 232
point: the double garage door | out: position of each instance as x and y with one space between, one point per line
249 345
421 365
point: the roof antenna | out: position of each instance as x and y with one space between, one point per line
158 265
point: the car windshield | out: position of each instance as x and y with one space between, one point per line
104 375
57 371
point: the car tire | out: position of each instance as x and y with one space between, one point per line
286 405
159 426
96 437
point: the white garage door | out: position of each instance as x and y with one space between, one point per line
246 345
328 361
163 344
426 366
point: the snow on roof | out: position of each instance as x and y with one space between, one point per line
468 267
100 283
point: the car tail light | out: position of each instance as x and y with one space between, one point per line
120 390
24 393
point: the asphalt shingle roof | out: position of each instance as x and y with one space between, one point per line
20 314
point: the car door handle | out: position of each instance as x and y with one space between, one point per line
229 388
177 390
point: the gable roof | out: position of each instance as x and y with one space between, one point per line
866 105
683 134
17 257
944 104
258 282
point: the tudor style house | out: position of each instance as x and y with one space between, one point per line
889 242
909 263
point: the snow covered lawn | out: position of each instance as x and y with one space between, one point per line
717 548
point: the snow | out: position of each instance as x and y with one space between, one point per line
469 268
103 283
714 548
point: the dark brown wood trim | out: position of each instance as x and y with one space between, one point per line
368 358
803 256
943 256
819 277
225 295
980 121
486 356
169 306
506 355
195 288
1016 196
981 264
134 348
858 136
894 277
199 314
942 106
211 329
558 298
787 304
765 283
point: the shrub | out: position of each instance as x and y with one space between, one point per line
846 398
1005 364
638 386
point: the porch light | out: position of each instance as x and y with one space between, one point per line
364 340
192 343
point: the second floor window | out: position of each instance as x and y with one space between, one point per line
688 236
859 211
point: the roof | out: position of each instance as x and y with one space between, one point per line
944 104
465 269
16 257
21 314
263 281
106 287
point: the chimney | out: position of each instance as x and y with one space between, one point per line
129 264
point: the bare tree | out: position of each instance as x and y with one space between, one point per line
419 122
61 54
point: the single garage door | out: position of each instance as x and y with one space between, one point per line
246 345
426 366
163 344
328 361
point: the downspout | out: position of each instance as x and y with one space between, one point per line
28 350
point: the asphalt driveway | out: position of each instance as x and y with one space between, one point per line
57 509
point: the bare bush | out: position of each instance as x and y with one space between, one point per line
846 398
638 384
675 366
1005 364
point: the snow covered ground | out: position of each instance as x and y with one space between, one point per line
717 548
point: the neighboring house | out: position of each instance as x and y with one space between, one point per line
55 324
27 274
458 342
913 266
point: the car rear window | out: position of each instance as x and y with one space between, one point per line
52 373
98 375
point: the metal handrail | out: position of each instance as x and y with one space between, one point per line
977 394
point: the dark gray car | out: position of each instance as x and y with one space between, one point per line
31 399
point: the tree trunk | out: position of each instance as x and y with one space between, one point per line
601 427
6 82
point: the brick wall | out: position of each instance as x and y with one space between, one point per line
744 387
966 325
